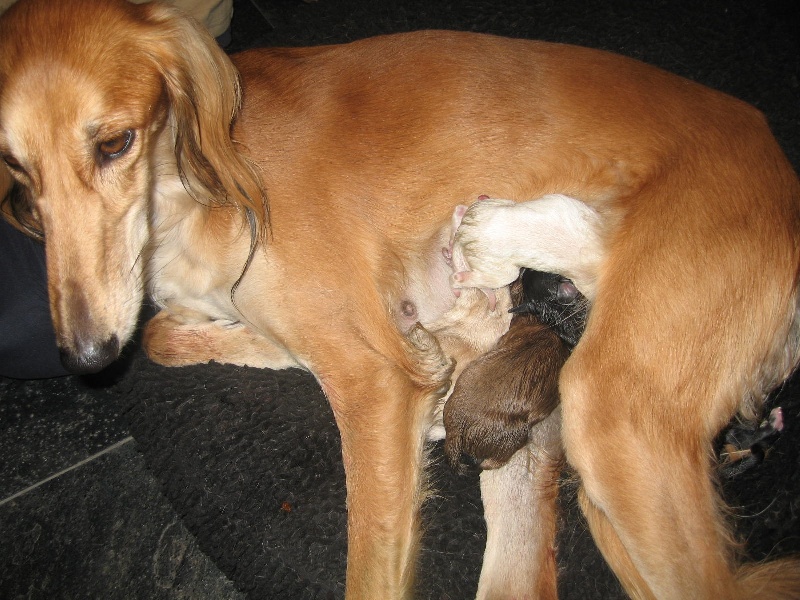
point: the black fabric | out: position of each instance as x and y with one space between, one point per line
27 341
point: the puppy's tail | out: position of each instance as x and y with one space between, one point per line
774 580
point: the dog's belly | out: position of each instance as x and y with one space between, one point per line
464 325
426 294
462 320
427 297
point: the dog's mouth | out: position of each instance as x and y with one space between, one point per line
91 357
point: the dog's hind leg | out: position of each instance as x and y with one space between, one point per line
647 488
613 551
519 501
649 494
662 367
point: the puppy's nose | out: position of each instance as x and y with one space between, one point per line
91 357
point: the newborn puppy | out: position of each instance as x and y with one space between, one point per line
556 302
500 396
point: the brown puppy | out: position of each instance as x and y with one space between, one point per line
304 227
499 397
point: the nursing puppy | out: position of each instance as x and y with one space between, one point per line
289 208
502 395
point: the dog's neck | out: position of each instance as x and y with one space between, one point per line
191 241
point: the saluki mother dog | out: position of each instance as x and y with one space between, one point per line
306 228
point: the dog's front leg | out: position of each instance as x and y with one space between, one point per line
554 234
383 410
179 336
519 501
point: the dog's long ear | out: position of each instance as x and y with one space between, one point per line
204 95
6 181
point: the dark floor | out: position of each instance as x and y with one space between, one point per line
82 514
81 517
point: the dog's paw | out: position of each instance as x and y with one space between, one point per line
499 397
172 340
180 337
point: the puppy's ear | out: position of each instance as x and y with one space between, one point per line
204 94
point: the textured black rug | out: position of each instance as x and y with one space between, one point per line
251 459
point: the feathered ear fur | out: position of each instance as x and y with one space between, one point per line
204 95
5 181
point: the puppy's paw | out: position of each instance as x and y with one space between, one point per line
499 397
480 256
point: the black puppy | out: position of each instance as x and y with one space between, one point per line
746 446
556 302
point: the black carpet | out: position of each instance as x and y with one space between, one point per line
251 459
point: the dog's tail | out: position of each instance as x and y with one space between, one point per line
775 580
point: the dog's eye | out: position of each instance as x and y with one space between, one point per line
13 164
116 146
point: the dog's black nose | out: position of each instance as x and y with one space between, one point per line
92 357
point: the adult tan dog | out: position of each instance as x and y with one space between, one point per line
306 230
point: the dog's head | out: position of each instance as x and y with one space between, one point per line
96 98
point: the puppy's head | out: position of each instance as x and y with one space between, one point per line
97 98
